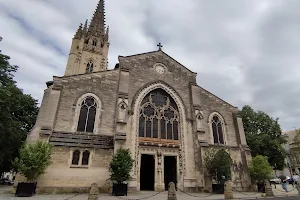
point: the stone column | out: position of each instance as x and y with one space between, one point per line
298 185
228 193
159 184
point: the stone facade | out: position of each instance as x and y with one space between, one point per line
117 96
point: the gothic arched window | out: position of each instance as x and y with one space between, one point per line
75 157
87 115
217 130
94 42
159 116
89 67
85 157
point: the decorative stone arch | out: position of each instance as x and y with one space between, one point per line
78 107
138 98
135 97
223 124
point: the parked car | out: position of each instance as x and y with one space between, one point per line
5 181
275 180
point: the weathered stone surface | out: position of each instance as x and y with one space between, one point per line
81 140
268 189
298 185
94 192
172 192
228 193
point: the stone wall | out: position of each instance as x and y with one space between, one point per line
62 177
103 84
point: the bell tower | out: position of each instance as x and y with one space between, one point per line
89 49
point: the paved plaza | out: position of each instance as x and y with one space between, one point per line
5 195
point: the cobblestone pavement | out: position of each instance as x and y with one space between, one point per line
4 195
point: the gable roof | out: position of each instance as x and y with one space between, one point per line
159 51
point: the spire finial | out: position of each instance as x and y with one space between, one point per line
78 33
85 28
159 46
97 26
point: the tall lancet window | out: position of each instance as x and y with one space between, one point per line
87 115
217 130
89 67
159 116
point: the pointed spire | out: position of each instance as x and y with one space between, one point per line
97 26
85 28
78 33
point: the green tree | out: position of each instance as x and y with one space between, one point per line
18 113
263 134
260 169
33 160
120 166
295 149
218 164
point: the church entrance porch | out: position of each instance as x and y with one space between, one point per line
170 170
147 175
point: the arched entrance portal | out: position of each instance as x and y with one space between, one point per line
158 135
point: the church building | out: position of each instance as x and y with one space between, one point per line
149 103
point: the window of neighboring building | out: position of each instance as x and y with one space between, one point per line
87 115
159 116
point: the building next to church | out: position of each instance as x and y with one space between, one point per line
149 103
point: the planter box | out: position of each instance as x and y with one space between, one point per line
218 188
120 189
261 187
25 189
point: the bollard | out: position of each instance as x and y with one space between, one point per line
298 186
228 193
94 192
172 192
268 189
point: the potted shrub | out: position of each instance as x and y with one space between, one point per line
120 168
260 171
32 162
218 165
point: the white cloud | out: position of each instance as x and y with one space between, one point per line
246 52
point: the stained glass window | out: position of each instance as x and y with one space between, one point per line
87 115
159 116
217 130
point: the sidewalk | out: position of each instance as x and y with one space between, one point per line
162 196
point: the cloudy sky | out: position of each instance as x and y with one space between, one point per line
246 52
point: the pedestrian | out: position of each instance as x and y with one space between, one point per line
296 178
283 182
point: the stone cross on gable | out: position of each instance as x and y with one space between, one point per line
159 46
